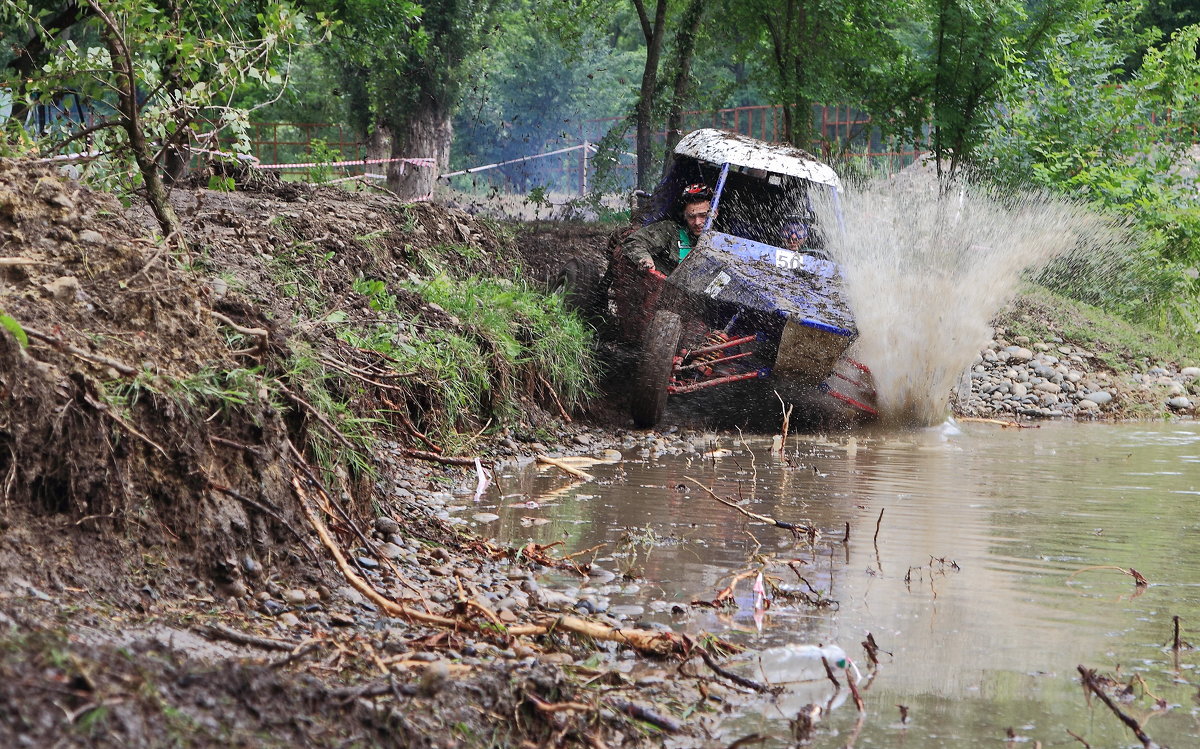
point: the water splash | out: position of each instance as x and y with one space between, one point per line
925 275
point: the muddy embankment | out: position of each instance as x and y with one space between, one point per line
224 464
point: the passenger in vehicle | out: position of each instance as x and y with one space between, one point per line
797 235
794 234
664 243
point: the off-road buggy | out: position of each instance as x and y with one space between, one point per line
740 307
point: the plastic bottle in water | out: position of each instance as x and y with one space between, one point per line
789 664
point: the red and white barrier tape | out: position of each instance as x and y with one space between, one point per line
485 167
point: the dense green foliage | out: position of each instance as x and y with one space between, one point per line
1069 124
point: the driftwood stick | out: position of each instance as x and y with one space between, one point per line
645 714
1090 685
646 641
581 475
1002 422
8 262
793 527
1138 580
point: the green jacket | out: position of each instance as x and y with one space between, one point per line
665 242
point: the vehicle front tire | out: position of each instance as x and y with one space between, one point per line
648 400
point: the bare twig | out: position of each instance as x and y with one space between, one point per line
561 411
260 333
793 527
1138 579
1090 685
1001 422
104 409
8 262
741 681
645 714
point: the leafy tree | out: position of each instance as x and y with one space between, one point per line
401 66
157 77
836 51
533 88
968 63
1066 126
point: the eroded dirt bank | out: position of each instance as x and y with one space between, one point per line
199 544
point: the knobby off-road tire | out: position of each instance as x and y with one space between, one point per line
578 281
648 399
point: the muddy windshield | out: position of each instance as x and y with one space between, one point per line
772 209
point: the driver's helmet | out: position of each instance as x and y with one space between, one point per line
696 193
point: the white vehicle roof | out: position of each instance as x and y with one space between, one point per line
723 147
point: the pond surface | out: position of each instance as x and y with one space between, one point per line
991 578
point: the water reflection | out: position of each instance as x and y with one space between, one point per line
993 574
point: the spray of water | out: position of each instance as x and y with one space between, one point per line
925 274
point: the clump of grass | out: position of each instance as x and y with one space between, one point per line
1042 314
330 396
531 331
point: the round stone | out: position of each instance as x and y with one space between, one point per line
1099 398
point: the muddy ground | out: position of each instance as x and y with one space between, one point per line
178 570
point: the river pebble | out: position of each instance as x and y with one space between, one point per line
1049 378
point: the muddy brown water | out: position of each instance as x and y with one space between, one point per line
977 582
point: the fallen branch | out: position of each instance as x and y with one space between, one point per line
8 262
725 595
558 707
581 475
259 333
1090 685
435 458
646 641
221 632
1002 422
858 700
645 714
741 681
796 529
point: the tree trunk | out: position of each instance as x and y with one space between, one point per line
127 105
645 105
685 46
426 136
379 146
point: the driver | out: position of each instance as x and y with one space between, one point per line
664 243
